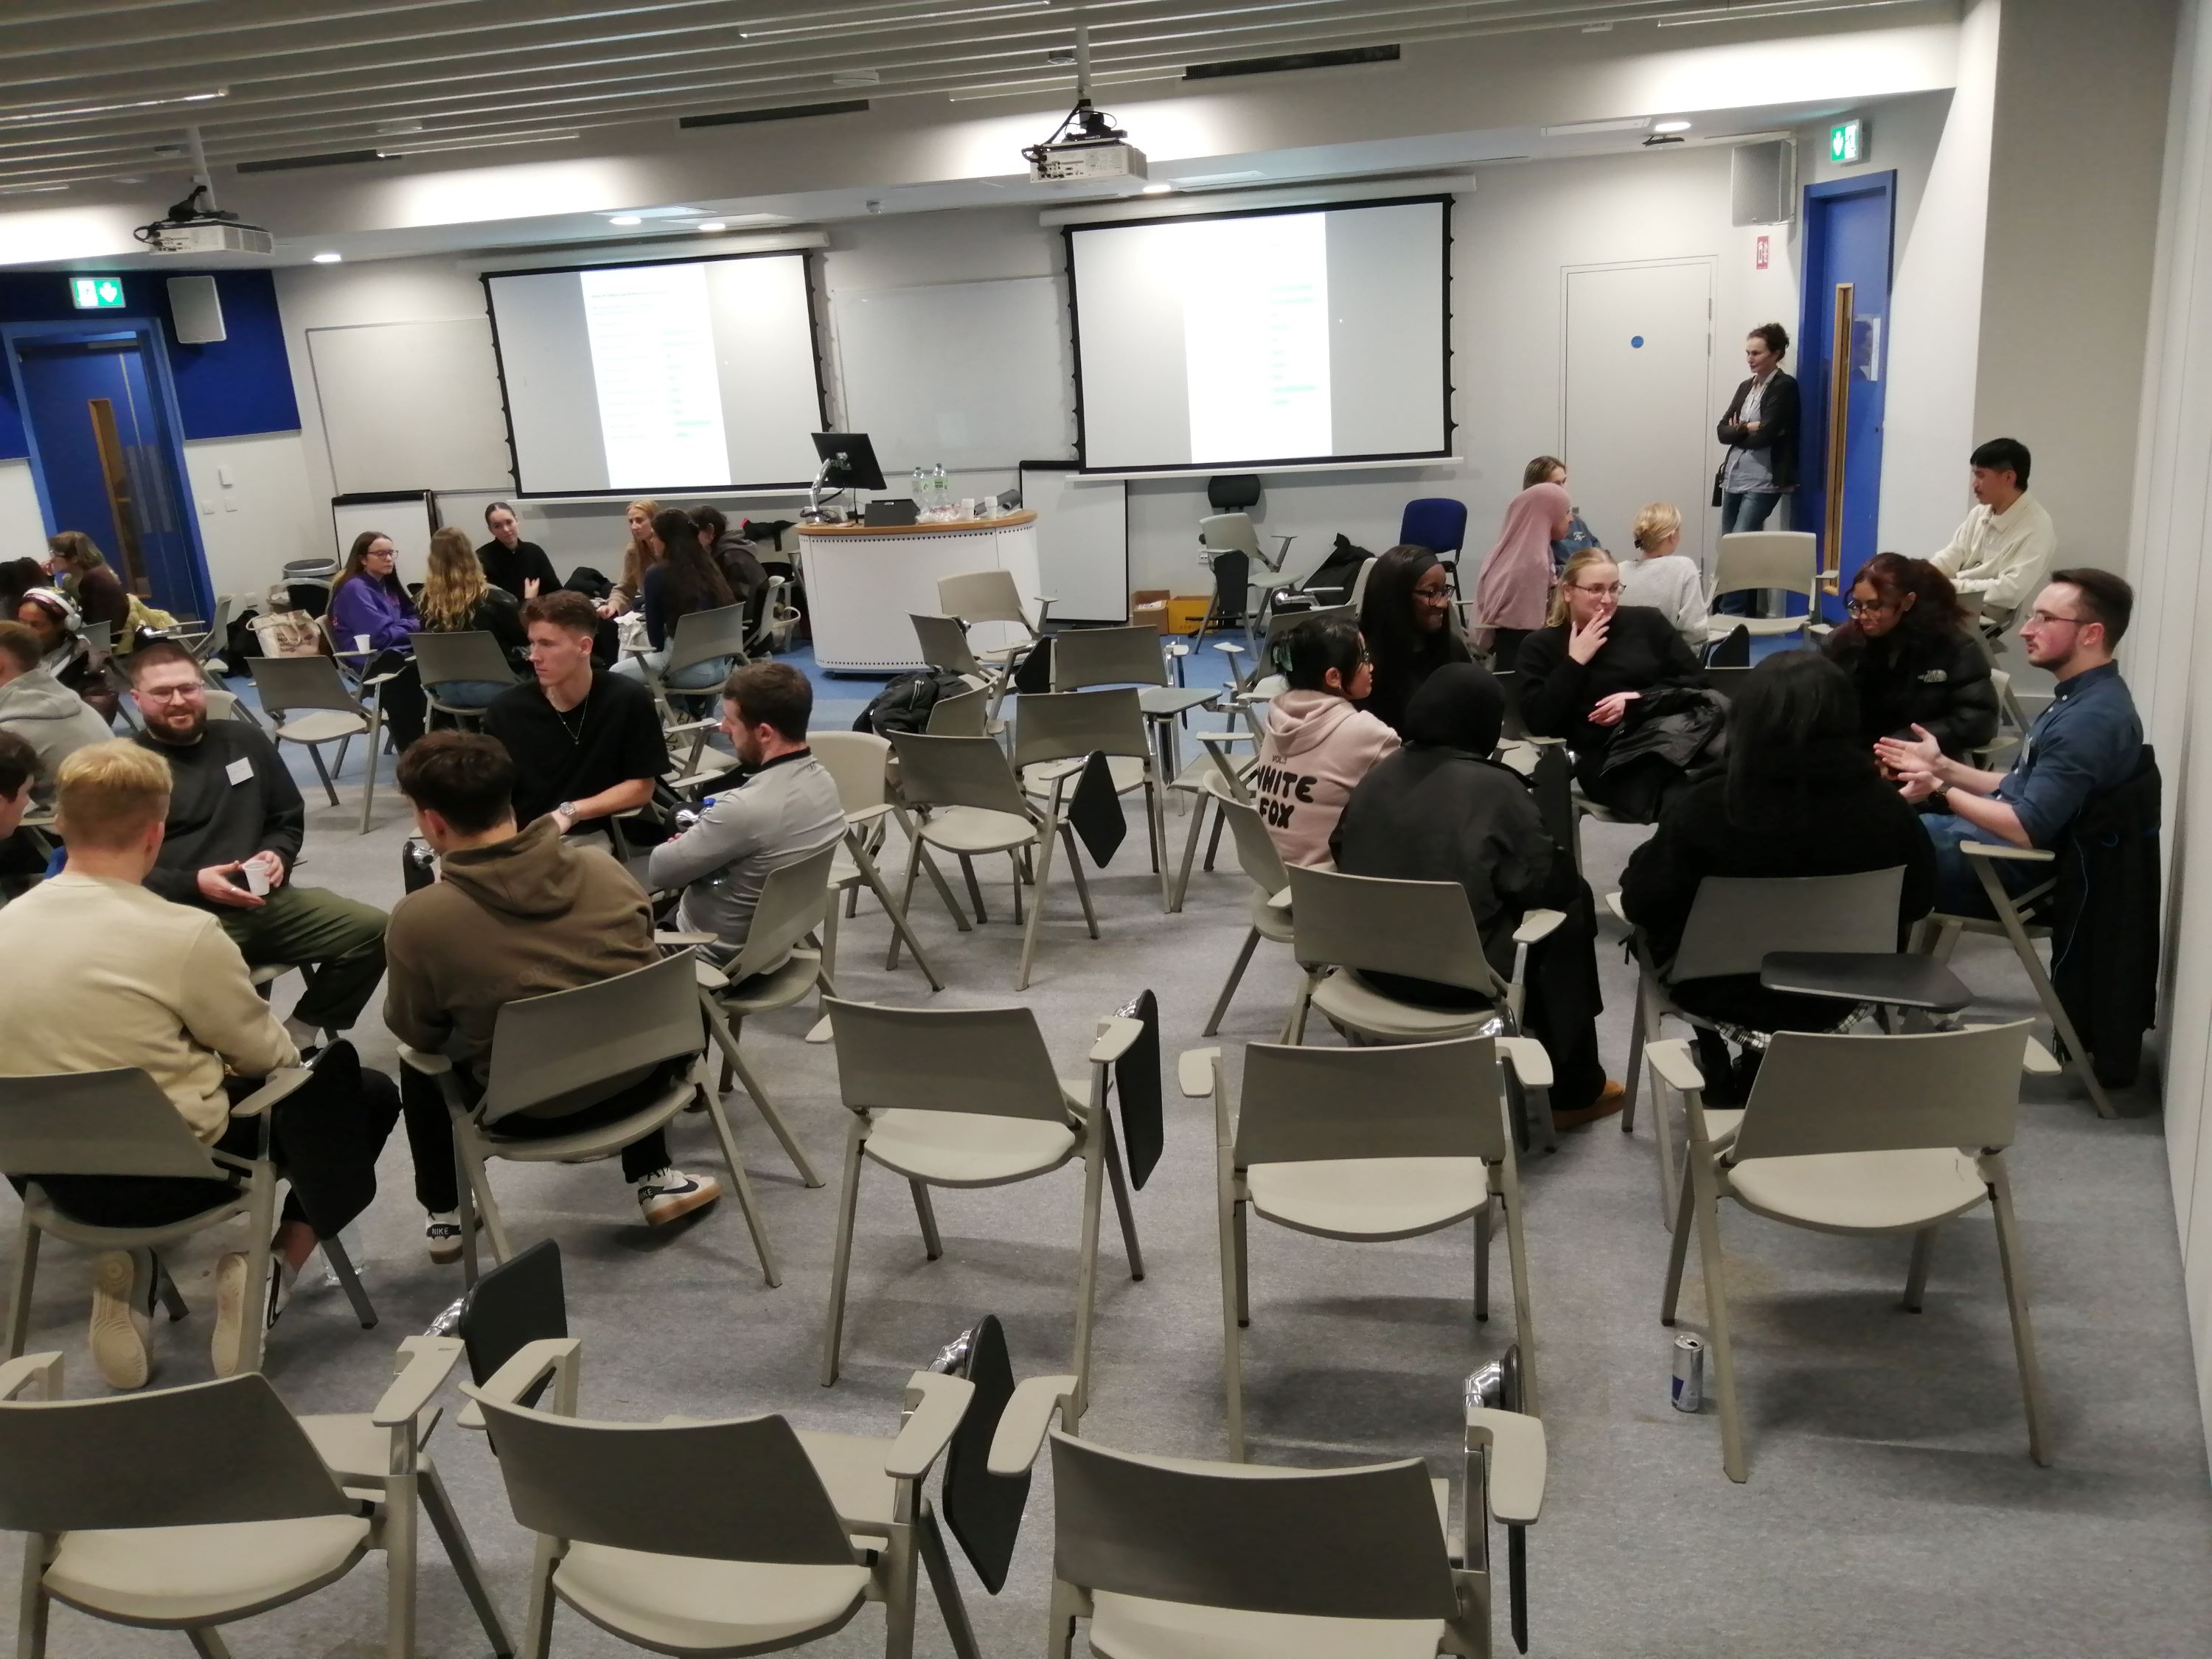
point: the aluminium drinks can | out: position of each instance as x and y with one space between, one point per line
1688 1391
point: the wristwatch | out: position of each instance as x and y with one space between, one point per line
567 810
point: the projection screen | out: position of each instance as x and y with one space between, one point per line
1275 336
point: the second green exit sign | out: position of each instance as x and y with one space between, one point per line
1847 141
96 293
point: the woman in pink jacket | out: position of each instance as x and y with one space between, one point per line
1318 744
1515 588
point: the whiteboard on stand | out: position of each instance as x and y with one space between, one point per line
970 374
1083 541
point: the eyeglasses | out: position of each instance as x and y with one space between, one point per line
1866 607
1611 591
1433 595
172 693
2044 619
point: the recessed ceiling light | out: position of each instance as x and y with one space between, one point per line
712 224
327 259
1670 126
1155 190
624 219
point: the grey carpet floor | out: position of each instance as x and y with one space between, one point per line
1892 1508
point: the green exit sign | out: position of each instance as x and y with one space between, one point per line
1847 142
97 292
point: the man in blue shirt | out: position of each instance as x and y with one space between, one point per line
2085 743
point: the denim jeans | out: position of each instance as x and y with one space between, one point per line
1958 888
469 694
1743 510
699 676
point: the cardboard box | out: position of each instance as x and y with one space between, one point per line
1148 608
1186 610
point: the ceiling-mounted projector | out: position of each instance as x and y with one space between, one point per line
1086 145
195 227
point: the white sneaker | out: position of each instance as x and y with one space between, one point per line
122 1296
667 1193
442 1234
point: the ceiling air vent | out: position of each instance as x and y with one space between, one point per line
336 158
1295 60
782 113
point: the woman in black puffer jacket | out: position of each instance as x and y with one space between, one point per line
1911 659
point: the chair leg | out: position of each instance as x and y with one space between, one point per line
1295 1032
932 1243
396 1533
1916 1276
2077 1057
1190 851
376 748
19 1298
1158 823
30 1621
943 1585
447 1523
725 1040
206 1643
342 1268
172 1299
261 1221
1677 1252
936 878
1482 1266
479 1177
975 887
1242 1216
900 930
1086 1278
1634 1075
1020 877
1236 978
841 1267
1037 905
1524 1306
538 1631
1230 1219
1662 1131
1128 1218
315 753
1082 881
896 1575
1213 840
720 1120
2023 1328
466 1195
1708 1218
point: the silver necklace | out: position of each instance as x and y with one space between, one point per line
583 713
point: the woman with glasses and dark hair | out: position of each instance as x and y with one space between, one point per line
1801 796
1318 744
1578 677
1406 618
1911 659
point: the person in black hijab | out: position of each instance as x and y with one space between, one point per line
1442 809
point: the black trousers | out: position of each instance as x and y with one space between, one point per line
430 1130
405 706
325 1138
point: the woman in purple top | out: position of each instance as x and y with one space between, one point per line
369 605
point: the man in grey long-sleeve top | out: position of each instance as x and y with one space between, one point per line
787 807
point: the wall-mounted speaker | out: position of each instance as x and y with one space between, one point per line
195 310
1763 182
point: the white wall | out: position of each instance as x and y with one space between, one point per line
263 517
2164 658
22 531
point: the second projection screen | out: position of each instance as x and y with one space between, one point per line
696 374
1308 335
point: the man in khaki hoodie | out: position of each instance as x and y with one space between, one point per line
515 914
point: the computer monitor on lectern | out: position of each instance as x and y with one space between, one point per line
848 461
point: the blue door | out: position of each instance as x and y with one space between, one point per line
1849 225
106 461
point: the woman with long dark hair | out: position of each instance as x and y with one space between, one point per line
1407 621
1801 796
369 610
1911 659
685 579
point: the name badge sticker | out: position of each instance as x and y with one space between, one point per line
240 770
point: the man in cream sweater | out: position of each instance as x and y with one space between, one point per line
97 973
2005 548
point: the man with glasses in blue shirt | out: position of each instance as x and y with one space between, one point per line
2087 741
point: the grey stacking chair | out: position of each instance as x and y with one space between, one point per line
308 702
1735 922
1086 657
187 1508
1866 1135
992 596
778 967
1237 1561
1270 904
945 646
698 637
120 1123
1056 733
568 1049
859 763
1279 623
775 620
445 659
1758 560
1217 774
1364 1145
2015 922
977 807
782 1538
968 1098
964 714
1343 925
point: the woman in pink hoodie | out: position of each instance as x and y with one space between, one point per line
1318 744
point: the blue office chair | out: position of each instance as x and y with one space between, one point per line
1440 526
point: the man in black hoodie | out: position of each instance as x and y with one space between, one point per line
1441 808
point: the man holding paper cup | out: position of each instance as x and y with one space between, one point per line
235 827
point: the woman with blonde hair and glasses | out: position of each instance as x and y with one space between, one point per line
1579 677
1663 577
458 598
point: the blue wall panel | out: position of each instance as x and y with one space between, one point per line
241 384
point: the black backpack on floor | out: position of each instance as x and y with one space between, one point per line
904 704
